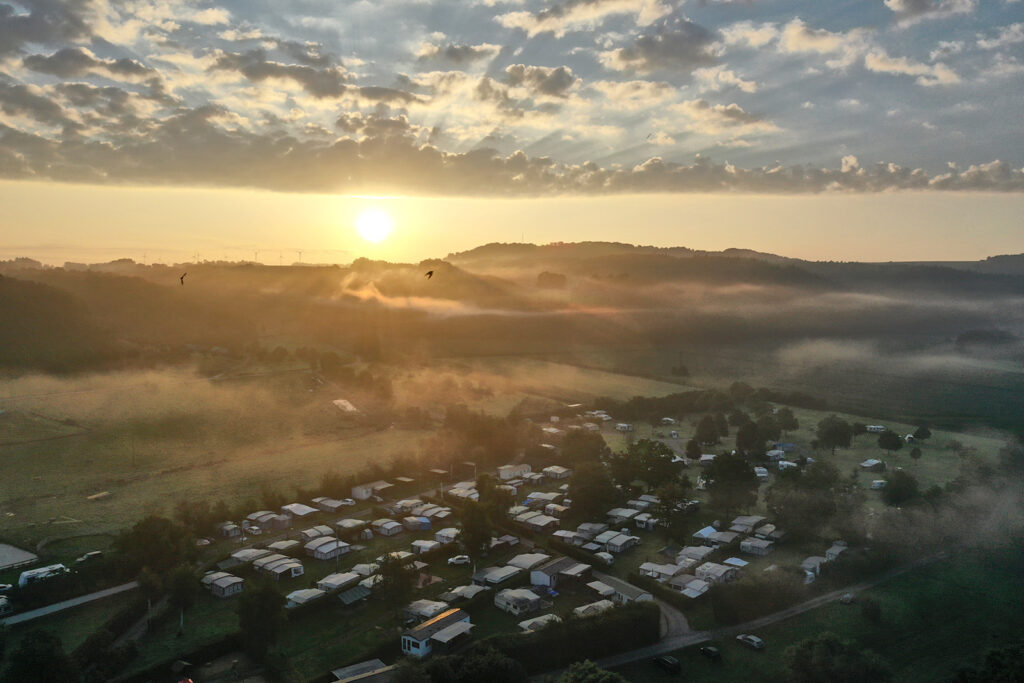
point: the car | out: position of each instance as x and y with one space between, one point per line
753 642
254 531
347 502
92 555
458 560
669 664
4 587
848 598
711 652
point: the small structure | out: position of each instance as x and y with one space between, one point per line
689 585
594 608
589 530
41 574
719 539
371 671
495 576
506 472
646 521
424 609
366 569
222 584
326 548
338 581
285 547
280 567
440 634
876 429
308 535
626 592
365 491
447 535
230 530
542 523
386 527
297 510
620 543
770 532
528 561
706 459
557 472
837 549
660 572
416 523
517 601
325 504
619 516
745 524
702 535
558 570
463 593
249 555
712 572
303 596
756 546
354 595
424 546
538 623
350 526
639 505
873 465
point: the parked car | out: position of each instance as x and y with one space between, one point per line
848 598
669 664
92 555
4 587
753 642
711 652
348 502
458 560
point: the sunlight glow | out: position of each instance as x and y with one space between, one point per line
374 225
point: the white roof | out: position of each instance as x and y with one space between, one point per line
349 523
603 589
594 608
298 509
301 597
451 632
338 580
539 622
528 560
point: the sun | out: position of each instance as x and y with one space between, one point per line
374 225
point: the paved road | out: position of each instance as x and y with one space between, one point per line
673 622
676 642
68 604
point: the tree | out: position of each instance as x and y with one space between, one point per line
155 542
827 658
740 391
39 658
787 420
732 483
693 450
722 425
624 469
871 610
396 582
487 664
182 588
834 432
476 530
915 453
1003 665
707 430
581 446
922 432
261 618
591 490
672 498
748 439
738 418
890 441
900 487
654 461
768 428
588 672
859 428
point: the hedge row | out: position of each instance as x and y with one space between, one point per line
577 638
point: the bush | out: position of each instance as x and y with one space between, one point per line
753 597
871 610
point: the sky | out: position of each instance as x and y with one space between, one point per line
848 129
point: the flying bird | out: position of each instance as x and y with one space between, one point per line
650 135
429 274
182 278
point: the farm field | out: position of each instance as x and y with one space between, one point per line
925 616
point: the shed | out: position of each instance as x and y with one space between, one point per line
621 543
556 570
326 548
308 535
424 609
557 472
297 510
424 546
230 530
745 524
712 572
447 535
284 547
589 530
626 592
303 597
442 633
516 600
495 576
325 504
528 560
594 608
695 552
538 623
756 546
337 581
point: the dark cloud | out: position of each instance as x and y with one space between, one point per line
555 82
17 99
254 65
73 62
46 22
680 47
457 54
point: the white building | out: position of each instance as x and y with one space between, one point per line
337 581
326 548
506 472
517 601
303 597
440 634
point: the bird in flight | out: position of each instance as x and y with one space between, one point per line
429 274
182 278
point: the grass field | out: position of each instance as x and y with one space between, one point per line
934 620
73 626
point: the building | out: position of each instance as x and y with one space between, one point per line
303 597
222 584
370 671
594 608
745 524
506 472
442 634
325 504
542 523
770 532
538 623
619 516
712 572
876 429
756 546
279 566
424 546
365 491
528 561
837 549
420 610
386 527
559 570
308 535
517 601
689 585
416 523
873 465
589 530
230 530
660 572
639 505
326 548
495 576
337 581
625 592
557 472
350 526
463 593
447 535
249 555
719 539
646 521
297 510
620 543
284 547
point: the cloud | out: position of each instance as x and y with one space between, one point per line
72 62
542 80
18 99
946 48
718 78
254 65
577 14
927 74
455 53
711 119
1008 35
633 95
750 34
911 11
798 37
682 47
46 22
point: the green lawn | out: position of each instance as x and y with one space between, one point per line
934 620
73 626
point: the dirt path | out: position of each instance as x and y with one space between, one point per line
68 604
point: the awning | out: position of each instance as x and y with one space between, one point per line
449 633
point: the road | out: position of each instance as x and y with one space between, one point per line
681 639
68 604
673 622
